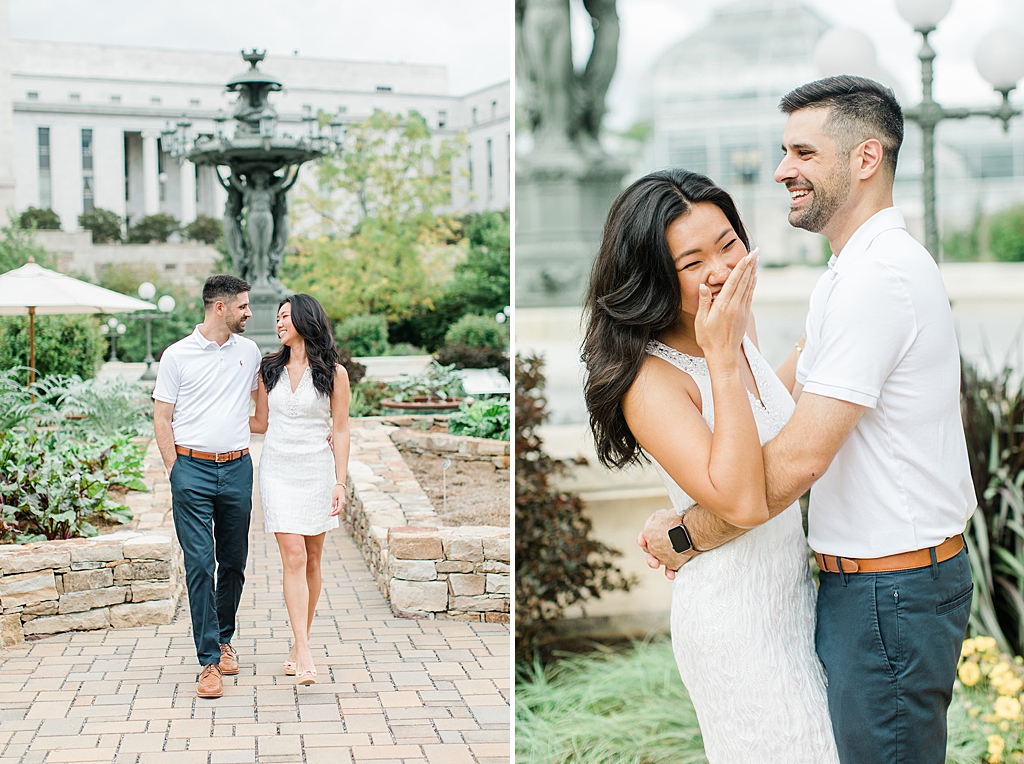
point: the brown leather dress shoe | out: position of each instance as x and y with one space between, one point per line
210 683
228 660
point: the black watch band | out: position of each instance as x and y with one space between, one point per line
680 538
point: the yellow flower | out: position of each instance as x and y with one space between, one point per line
969 674
973 711
998 670
1004 726
996 744
984 644
1007 708
967 649
1008 685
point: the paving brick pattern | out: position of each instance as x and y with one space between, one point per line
388 689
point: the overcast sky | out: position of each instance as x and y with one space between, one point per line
471 37
649 27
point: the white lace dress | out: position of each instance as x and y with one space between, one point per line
743 616
297 464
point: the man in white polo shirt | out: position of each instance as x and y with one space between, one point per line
876 431
201 420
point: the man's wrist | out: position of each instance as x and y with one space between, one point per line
693 542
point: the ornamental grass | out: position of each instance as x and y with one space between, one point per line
628 706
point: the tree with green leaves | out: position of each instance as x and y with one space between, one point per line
17 245
369 238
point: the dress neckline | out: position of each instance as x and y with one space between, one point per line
701 364
297 384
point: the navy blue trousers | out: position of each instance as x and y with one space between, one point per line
211 504
890 643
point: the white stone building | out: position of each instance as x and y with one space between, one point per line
712 102
83 122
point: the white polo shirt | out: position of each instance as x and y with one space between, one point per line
210 386
880 334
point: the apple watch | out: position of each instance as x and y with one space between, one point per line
680 538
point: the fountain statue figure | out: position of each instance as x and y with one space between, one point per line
261 167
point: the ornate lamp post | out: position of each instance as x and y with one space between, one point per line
1000 60
113 327
261 167
166 304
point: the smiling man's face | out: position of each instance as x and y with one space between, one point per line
815 172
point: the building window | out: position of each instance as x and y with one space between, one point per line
474 115
74 97
87 177
32 95
442 117
155 100
470 150
383 88
490 169
494 109
115 99
193 102
45 193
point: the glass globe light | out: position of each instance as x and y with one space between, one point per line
146 290
121 328
165 303
500 318
923 14
112 322
845 51
1000 58
104 329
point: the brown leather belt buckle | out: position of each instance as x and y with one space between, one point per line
228 456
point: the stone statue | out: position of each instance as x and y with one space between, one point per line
258 248
564 107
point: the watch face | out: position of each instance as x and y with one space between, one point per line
680 539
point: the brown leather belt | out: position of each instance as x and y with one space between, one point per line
920 558
206 456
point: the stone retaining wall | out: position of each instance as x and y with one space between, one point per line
424 569
127 578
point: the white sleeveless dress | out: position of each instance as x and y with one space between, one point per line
297 464
743 616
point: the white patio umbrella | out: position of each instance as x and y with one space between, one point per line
32 289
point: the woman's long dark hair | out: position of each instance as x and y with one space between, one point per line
310 321
634 294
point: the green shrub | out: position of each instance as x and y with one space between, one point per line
436 381
363 335
205 229
43 220
104 224
366 397
17 245
477 331
1006 234
53 483
65 344
558 564
483 418
152 228
404 348
993 416
356 371
467 357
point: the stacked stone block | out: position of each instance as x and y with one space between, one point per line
127 578
426 570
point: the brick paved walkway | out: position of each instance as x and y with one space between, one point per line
388 689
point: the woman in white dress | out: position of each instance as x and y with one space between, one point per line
303 399
674 375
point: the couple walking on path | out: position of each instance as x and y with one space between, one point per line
202 424
865 409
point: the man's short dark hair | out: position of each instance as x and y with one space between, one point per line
224 288
859 109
